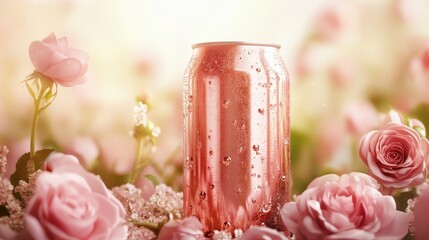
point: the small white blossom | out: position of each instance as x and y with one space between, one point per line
238 233
156 131
221 235
140 114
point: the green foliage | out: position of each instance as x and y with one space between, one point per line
421 112
22 172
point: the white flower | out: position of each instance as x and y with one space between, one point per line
140 114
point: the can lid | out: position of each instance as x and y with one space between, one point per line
234 43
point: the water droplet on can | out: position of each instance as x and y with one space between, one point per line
258 69
265 207
203 195
226 225
226 160
208 234
261 111
212 186
253 200
211 152
190 98
189 163
283 178
255 147
225 103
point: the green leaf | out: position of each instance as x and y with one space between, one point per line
152 178
21 172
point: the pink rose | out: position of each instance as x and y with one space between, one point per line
360 118
257 233
396 155
187 229
344 207
329 140
421 210
55 59
85 149
71 203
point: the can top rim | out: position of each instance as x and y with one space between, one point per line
232 43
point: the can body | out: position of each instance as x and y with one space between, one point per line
236 136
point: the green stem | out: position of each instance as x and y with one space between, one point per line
32 163
138 162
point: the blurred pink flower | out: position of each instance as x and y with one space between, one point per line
55 59
309 61
257 233
16 148
396 155
407 10
421 211
341 73
187 229
329 139
71 203
361 117
344 207
419 67
337 20
117 153
146 185
6 233
84 149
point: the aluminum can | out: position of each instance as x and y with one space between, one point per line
236 136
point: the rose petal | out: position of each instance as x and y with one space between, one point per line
43 56
65 71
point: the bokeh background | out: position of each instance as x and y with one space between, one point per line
349 62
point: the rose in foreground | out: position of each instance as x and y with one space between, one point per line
187 229
55 59
344 207
257 233
396 155
71 203
421 210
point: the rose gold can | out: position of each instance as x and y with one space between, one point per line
236 136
